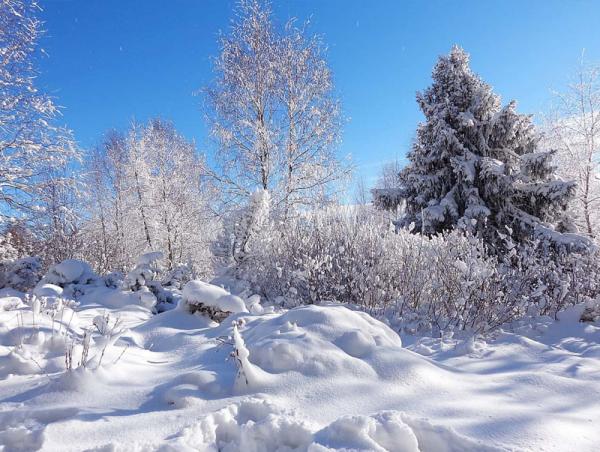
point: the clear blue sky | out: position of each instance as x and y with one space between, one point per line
114 60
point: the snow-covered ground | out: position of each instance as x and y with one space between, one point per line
311 378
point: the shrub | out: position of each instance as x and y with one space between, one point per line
20 274
425 284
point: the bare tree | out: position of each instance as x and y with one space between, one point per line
57 221
29 143
574 130
147 194
361 193
273 112
389 193
179 196
139 181
311 124
242 103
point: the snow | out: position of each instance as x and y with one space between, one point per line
313 378
70 271
48 290
200 292
150 258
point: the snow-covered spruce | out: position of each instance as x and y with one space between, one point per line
211 301
476 165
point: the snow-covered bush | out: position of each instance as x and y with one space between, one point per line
547 280
429 284
70 271
144 279
352 256
20 274
113 280
72 275
157 287
178 277
244 229
210 300
147 269
591 312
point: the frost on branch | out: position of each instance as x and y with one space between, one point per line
245 230
31 147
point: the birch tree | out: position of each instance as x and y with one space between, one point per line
273 112
242 103
183 223
574 130
311 124
30 143
138 178
147 194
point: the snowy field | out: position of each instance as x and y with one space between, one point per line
310 378
240 276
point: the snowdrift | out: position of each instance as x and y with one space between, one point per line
312 378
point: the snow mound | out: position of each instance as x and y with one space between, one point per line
314 378
254 425
48 290
381 432
201 293
23 430
10 303
356 343
318 340
70 271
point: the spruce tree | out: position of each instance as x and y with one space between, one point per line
475 164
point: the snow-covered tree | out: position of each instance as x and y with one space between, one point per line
476 165
147 194
389 193
56 224
311 123
246 229
573 130
242 102
30 145
273 113
182 221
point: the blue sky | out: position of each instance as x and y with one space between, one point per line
113 60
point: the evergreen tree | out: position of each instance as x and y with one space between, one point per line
475 165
